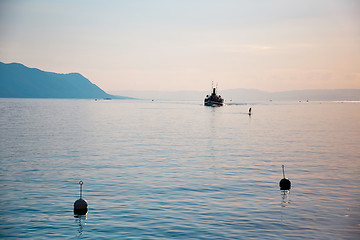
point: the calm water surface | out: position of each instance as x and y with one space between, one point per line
179 170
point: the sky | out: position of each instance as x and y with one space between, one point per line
169 45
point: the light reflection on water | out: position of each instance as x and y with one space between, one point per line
179 170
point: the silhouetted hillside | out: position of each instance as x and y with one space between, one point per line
19 81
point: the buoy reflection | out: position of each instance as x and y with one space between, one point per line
80 221
285 202
285 198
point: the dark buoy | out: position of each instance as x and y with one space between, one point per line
284 183
80 205
249 111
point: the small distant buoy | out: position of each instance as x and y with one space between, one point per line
284 183
249 111
80 205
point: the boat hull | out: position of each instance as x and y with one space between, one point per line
213 104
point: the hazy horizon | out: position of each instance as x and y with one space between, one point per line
271 46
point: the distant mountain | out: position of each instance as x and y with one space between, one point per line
319 95
19 81
245 95
299 95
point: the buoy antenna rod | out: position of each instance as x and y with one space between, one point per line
81 183
283 171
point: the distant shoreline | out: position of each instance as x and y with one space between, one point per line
236 95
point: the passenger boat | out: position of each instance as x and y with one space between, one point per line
213 100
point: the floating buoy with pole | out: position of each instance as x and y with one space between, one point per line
284 183
80 205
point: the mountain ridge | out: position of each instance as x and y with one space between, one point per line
20 81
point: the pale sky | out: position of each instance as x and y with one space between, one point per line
271 45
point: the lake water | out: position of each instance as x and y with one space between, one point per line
179 170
